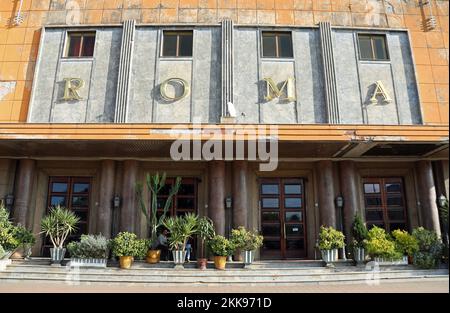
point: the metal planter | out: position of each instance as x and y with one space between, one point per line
97 263
248 257
329 256
384 261
179 256
359 255
57 254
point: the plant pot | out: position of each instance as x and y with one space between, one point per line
153 256
125 262
248 257
387 261
57 255
179 256
220 262
410 259
22 252
329 256
359 255
97 263
202 263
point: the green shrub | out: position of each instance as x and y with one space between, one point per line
7 239
2 252
330 238
220 246
125 244
89 246
359 232
379 245
142 248
405 243
246 240
430 248
24 236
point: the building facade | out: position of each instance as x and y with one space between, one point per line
349 100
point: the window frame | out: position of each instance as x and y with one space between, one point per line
372 36
82 33
178 32
277 44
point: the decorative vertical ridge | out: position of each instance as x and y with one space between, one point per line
123 84
330 73
227 65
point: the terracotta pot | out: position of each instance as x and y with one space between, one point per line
202 263
410 259
220 262
153 256
125 262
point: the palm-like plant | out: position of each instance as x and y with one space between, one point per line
181 228
154 185
58 224
205 231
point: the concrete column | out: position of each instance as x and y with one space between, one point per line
326 195
427 195
128 214
104 216
23 191
240 194
216 196
350 193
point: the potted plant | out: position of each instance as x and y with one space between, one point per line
26 241
381 248
205 231
430 248
8 241
405 243
221 248
359 233
124 246
58 224
247 241
181 228
154 185
90 251
330 240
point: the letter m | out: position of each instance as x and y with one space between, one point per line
273 91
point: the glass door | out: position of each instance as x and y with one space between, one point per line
283 218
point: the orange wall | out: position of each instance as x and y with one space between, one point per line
19 44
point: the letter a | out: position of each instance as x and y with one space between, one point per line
380 91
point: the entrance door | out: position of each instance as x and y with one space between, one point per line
283 218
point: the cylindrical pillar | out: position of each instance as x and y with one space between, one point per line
104 216
240 194
23 191
128 215
327 210
427 195
350 193
216 197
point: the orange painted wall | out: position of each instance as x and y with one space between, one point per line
19 44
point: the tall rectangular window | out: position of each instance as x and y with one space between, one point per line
177 44
373 47
277 45
80 45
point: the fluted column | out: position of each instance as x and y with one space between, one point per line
128 215
427 195
104 216
327 211
216 197
23 191
350 194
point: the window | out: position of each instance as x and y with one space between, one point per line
177 44
80 45
373 47
74 194
277 45
384 203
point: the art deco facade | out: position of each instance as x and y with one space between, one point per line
93 92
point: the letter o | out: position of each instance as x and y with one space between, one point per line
163 89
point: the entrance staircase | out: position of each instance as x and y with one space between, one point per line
260 273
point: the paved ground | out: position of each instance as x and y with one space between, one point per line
409 286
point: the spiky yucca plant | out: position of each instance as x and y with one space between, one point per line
58 224
181 228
